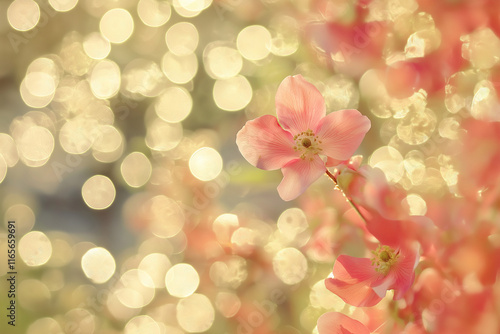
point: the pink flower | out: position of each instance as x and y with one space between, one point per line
339 323
365 281
301 136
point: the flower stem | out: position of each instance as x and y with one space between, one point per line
354 206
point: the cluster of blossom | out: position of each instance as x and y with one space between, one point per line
442 267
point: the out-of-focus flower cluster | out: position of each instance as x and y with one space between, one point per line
136 213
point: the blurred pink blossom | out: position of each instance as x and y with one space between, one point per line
365 281
339 323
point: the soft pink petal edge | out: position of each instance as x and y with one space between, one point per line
342 132
335 322
352 281
264 144
299 105
298 175
405 271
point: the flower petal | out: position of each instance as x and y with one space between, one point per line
299 105
389 232
298 175
341 132
352 280
339 323
405 270
265 144
384 285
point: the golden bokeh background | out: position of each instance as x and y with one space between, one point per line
135 212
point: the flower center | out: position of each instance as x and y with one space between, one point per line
308 144
384 258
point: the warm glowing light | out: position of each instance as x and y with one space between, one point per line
195 5
390 161
23 15
195 313
243 239
290 265
182 280
117 25
182 38
32 100
165 216
232 94
36 144
230 273
481 48
96 46
105 79
285 40
75 136
154 13
190 8
417 205
174 104
205 164
142 324
8 150
227 303
156 265
292 222
254 42
179 69
22 215
143 77
415 167
63 5
417 126
3 168
35 248
222 61
98 265
98 192
108 139
108 144
136 169
135 289
320 296
163 136
224 226
40 83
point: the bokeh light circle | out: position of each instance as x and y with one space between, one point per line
98 265
23 15
98 192
205 164
154 13
290 265
35 248
232 94
117 25
254 42
182 38
174 104
182 280
195 313
142 324
136 169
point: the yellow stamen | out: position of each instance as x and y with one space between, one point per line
307 143
384 258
